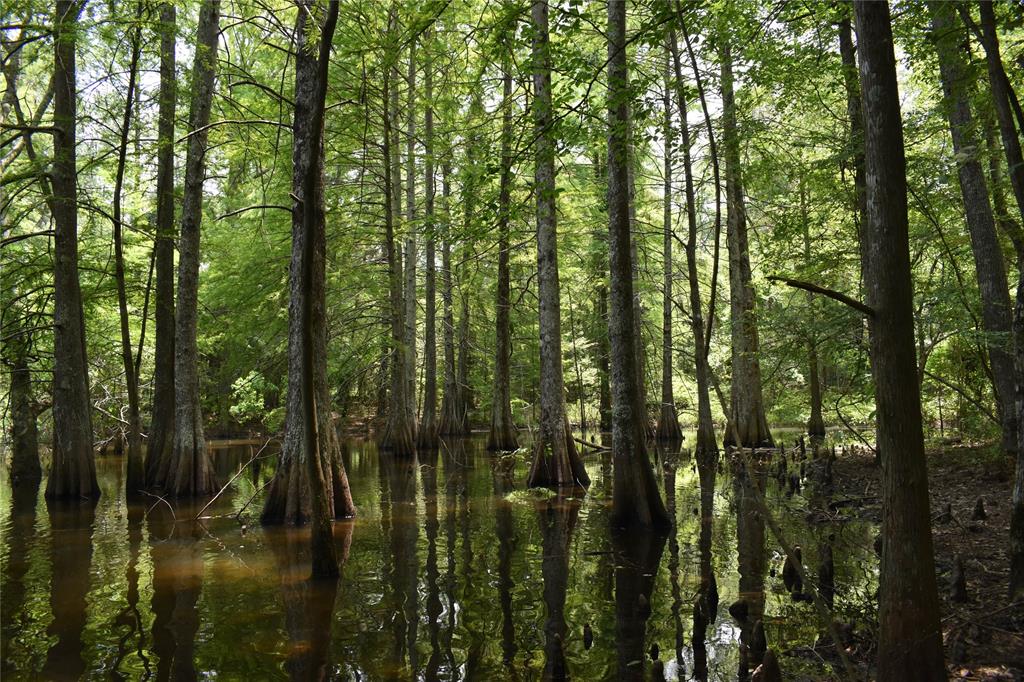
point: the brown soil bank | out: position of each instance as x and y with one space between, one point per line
984 633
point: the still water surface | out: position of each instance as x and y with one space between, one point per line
451 571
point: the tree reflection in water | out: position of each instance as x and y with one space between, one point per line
20 539
753 564
455 572
308 603
637 559
71 528
398 518
556 518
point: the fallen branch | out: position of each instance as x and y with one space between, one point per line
830 293
964 394
591 445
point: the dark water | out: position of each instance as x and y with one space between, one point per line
451 571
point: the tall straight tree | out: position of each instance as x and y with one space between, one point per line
161 427
399 434
449 402
988 255
135 477
503 434
1001 90
427 436
312 322
191 471
1001 94
556 461
73 471
668 421
706 447
747 401
291 497
635 497
409 338
910 638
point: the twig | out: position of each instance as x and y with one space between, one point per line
160 499
231 480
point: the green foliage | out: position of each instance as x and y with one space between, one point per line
797 171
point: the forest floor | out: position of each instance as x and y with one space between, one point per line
984 635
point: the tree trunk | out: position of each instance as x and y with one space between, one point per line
706 447
135 479
668 420
638 310
636 500
290 499
1016 549
312 315
191 471
815 423
25 467
910 639
555 459
447 424
399 435
161 428
428 423
988 256
747 403
848 53
409 341
603 353
1000 86
503 434
73 471
464 395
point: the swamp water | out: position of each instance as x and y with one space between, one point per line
451 571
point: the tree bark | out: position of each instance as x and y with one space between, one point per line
910 639
636 501
668 421
73 471
503 433
135 478
747 403
161 428
988 256
191 471
556 461
290 498
706 447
